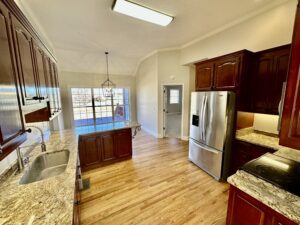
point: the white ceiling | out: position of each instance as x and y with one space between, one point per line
82 30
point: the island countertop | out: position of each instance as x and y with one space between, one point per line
48 201
106 127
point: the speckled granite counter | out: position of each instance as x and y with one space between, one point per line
249 135
281 201
49 201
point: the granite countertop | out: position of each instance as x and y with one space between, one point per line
106 127
258 138
278 199
49 201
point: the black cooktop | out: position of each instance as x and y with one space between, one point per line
281 172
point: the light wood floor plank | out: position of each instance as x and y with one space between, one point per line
157 186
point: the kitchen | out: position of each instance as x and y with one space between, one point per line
82 131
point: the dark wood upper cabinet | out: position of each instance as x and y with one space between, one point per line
271 67
204 76
11 121
41 72
290 126
227 73
24 51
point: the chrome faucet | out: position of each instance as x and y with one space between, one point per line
43 145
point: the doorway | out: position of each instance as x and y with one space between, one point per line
172 110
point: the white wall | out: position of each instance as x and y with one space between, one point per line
67 80
171 72
147 95
270 29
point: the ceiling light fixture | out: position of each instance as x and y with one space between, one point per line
108 86
140 12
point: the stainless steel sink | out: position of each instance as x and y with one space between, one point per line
46 165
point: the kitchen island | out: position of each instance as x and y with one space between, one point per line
105 144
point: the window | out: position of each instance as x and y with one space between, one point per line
90 107
174 96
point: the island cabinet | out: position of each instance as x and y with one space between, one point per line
271 68
290 126
102 148
11 120
246 210
244 152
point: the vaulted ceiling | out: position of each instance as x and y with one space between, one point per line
82 30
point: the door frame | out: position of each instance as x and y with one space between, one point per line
163 124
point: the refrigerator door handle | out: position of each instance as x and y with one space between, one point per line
200 118
204 118
206 148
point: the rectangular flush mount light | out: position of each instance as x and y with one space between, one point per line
140 12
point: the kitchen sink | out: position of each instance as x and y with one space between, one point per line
46 165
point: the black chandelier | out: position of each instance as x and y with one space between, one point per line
108 86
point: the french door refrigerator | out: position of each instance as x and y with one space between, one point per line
211 128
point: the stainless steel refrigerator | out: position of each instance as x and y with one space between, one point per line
211 128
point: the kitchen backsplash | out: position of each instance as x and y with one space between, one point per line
266 123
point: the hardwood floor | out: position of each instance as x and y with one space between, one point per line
158 186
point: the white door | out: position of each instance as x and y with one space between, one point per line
172 111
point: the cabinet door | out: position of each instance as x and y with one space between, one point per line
123 141
261 83
242 211
50 88
241 155
227 73
281 220
290 127
108 150
24 52
56 85
269 76
41 73
280 71
204 76
90 151
11 123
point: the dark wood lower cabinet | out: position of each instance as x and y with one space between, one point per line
244 152
98 149
245 210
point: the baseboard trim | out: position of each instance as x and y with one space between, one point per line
185 138
149 132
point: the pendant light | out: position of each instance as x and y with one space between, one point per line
108 86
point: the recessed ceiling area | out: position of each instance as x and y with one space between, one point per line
81 31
